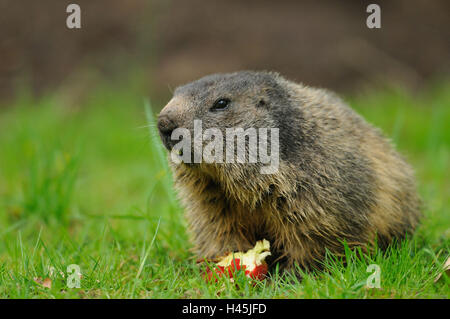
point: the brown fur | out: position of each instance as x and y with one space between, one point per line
339 178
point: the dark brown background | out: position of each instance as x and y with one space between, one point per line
320 43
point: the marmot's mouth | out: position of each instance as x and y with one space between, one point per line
167 141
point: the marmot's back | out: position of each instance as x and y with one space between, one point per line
338 177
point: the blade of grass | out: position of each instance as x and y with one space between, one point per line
159 151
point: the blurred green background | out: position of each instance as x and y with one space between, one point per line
83 178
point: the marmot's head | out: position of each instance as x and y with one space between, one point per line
243 99
246 101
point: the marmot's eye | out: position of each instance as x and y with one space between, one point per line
220 104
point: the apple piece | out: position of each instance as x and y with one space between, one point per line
252 263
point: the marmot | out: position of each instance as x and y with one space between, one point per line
339 179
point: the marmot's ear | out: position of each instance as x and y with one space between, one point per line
261 103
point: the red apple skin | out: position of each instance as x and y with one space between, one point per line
214 274
259 272
235 266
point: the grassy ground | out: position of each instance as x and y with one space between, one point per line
86 185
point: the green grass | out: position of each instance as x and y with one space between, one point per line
88 185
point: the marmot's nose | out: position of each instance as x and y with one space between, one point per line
166 126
